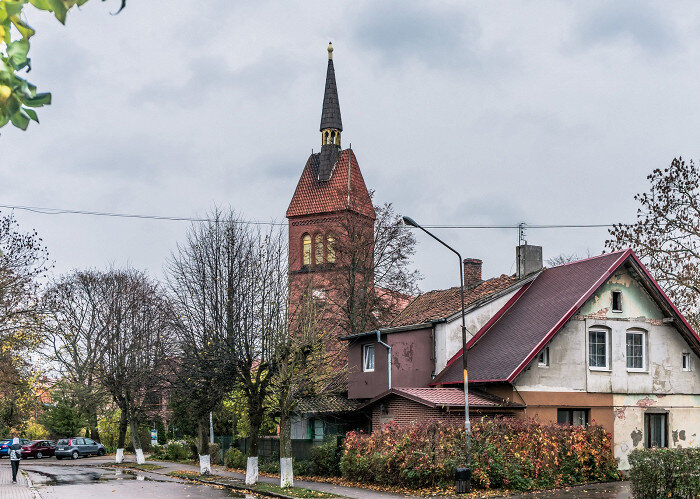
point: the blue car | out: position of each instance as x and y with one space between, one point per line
5 445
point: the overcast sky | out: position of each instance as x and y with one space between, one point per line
459 113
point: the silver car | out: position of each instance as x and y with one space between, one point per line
78 446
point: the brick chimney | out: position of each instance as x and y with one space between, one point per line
472 272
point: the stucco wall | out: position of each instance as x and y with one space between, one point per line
683 421
448 335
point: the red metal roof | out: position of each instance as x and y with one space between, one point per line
443 303
344 190
445 397
505 345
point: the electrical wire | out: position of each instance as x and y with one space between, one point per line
65 211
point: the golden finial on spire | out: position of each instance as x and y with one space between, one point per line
330 50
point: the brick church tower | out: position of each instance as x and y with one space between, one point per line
331 191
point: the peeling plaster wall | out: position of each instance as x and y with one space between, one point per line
683 421
448 335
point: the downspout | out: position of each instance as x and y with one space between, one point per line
388 347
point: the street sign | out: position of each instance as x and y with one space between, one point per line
154 436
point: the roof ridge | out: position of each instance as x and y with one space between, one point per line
588 259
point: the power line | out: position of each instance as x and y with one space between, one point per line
65 211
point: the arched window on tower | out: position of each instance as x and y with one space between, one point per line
306 249
318 250
330 249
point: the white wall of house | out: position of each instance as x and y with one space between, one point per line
448 335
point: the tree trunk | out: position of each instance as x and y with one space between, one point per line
92 419
204 457
286 467
123 424
256 417
136 441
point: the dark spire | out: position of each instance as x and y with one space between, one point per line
330 115
331 124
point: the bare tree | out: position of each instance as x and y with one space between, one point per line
564 258
666 234
229 283
138 320
303 355
75 330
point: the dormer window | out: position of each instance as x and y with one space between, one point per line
318 252
368 358
617 301
306 250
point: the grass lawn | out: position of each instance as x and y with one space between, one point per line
258 487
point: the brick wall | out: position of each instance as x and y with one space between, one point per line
472 271
405 412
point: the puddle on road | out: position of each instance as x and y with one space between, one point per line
69 477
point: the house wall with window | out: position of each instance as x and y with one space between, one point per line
412 362
625 367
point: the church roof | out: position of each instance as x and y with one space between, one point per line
330 114
345 190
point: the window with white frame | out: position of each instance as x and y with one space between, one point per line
685 362
598 349
368 358
635 350
543 357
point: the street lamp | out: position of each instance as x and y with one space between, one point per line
467 424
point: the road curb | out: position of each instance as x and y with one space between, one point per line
235 487
30 484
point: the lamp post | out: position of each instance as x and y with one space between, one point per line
467 424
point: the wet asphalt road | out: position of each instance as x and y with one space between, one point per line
54 480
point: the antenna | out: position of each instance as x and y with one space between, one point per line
522 227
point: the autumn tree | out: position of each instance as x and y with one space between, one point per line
18 97
666 234
23 260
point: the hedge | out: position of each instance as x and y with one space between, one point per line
505 453
665 472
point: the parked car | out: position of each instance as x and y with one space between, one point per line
78 446
5 445
38 449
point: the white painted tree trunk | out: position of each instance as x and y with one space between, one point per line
286 472
139 456
251 472
119 458
204 464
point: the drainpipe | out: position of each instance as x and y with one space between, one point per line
388 348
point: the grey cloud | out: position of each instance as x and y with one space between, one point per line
641 22
399 32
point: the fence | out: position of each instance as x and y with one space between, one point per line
269 447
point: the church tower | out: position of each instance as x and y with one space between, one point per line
331 191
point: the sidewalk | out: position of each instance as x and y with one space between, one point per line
9 490
357 493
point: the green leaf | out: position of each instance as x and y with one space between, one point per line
42 99
17 51
3 120
42 4
22 27
20 120
59 10
13 7
31 113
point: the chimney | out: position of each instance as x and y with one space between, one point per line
472 272
528 259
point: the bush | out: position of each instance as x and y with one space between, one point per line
505 453
215 453
665 472
325 458
176 451
269 465
303 467
234 458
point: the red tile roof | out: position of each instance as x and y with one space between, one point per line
511 339
313 196
446 397
443 303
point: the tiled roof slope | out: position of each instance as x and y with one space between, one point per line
330 114
337 194
445 397
327 404
498 350
443 303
